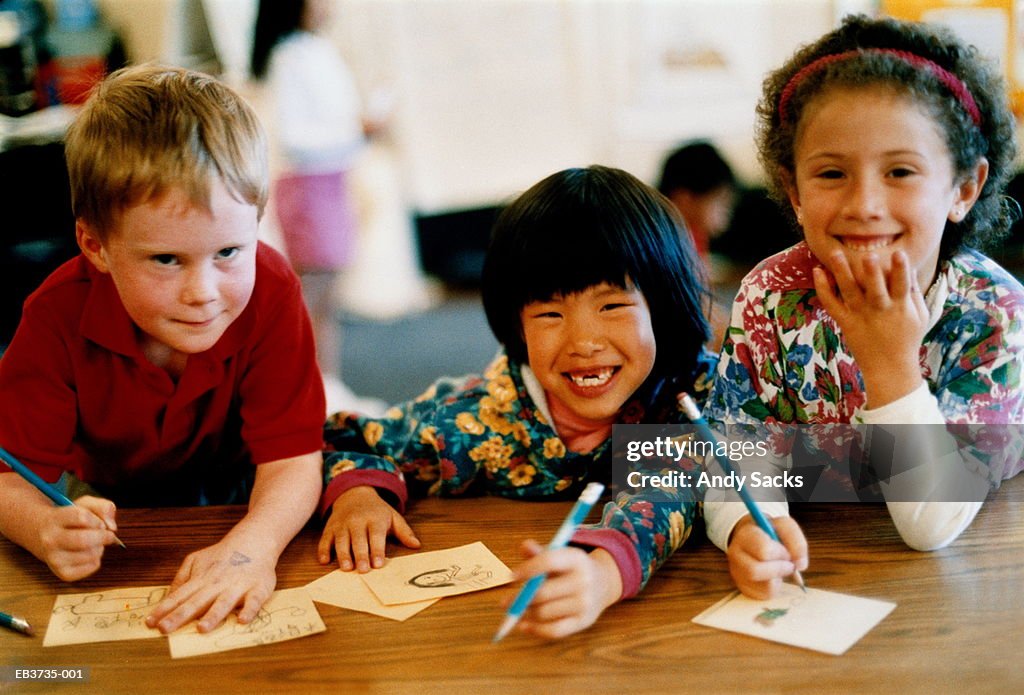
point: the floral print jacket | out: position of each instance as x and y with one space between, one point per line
784 360
486 435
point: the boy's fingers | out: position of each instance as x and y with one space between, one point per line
182 576
217 612
254 600
103 509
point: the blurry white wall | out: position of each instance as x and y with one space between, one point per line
489 96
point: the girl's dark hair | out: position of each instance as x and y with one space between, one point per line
696 167
994 138
275 19
582 227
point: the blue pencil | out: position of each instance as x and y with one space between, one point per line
38 483
17 624
693 412
577 514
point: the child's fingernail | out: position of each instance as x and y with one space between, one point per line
377 562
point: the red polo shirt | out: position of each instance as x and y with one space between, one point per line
77 394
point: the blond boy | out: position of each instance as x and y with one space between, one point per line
172 362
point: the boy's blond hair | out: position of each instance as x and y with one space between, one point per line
148 129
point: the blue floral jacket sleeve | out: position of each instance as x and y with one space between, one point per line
485 435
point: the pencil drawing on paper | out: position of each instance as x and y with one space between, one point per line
267 627
105 611
452 575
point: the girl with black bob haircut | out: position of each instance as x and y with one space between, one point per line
583 227
592 286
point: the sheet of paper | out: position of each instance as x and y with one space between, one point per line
287 614
347 590
440 573
103 616
820 620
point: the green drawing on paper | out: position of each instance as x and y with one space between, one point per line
768 616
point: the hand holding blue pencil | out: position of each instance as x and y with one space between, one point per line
577 514
693 413
44 487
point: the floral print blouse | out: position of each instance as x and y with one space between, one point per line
486 435
784 360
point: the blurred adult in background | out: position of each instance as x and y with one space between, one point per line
318 129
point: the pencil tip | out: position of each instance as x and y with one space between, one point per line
506 627
800 581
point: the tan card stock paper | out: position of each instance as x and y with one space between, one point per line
440 573
347 590
103 616
287 614
820 620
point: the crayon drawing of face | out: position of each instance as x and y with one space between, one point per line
435 578
451 576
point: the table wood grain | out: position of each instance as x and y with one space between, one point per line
957 625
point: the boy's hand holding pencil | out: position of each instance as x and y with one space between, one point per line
69 537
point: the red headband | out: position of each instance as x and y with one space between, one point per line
951 81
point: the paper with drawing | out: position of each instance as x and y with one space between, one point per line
347 590
820 620
440 573
103 616
287 614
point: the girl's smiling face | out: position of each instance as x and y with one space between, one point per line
592 349
873 175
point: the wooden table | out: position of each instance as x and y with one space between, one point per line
957 626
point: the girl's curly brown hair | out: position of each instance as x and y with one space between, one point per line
989 220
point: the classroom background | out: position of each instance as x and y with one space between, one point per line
481 99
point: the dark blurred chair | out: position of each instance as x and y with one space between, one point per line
758 229
38 228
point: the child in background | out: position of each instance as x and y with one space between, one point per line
892 143
595 294
317 129
170 356
701 185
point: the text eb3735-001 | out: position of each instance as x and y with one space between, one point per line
54 674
